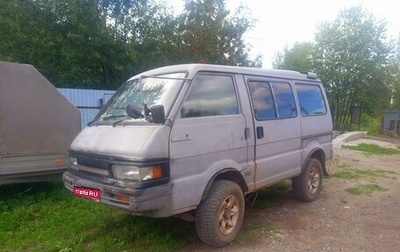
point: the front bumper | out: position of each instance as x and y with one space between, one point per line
153 201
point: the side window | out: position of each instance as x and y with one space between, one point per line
272 100
284 99
263 102
311 100
211 95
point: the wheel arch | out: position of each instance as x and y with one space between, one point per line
230 174
317 153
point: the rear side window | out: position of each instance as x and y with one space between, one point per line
211 95
272 100
311 99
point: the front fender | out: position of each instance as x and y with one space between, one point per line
227 174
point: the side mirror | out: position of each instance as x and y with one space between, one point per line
158 113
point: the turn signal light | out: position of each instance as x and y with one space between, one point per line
122 197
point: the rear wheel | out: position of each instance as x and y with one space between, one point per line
219 217
308 185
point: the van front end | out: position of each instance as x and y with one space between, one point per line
138 187
122 159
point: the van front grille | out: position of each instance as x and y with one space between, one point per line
88 169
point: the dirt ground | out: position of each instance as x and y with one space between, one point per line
337 220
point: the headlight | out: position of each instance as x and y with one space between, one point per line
135 173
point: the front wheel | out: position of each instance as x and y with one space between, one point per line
308 185
219 217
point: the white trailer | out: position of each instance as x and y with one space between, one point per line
37 126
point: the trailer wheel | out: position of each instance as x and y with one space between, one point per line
308 185
219 217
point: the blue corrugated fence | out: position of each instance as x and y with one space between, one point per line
88 101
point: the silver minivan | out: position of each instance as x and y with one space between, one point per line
193 140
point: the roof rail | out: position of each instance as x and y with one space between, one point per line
310 75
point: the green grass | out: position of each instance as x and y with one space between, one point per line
46 217
358 173
365 189
373 149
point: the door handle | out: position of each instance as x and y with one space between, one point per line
247 133
260 132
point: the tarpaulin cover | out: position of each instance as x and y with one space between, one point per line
34 117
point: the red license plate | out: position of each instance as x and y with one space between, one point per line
87 193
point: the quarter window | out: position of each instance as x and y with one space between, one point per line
211 95
311 100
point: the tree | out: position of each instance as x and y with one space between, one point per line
68 41
352 59
156 39
209 34
298 58
395 73
101 43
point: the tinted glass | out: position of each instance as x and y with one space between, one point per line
284 100
311 100
211 95
263 102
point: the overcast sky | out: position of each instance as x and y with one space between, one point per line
285 22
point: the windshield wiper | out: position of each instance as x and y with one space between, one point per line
111 117
96 120
119 121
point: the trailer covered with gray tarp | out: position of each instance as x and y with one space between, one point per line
37 125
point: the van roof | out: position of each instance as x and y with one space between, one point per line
288 74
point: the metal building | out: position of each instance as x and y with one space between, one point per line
391 121
88 101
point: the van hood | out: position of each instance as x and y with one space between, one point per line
136 142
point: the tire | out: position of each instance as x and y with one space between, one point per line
219 217
308 185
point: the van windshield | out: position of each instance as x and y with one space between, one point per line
143 92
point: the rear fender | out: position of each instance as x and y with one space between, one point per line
317 153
